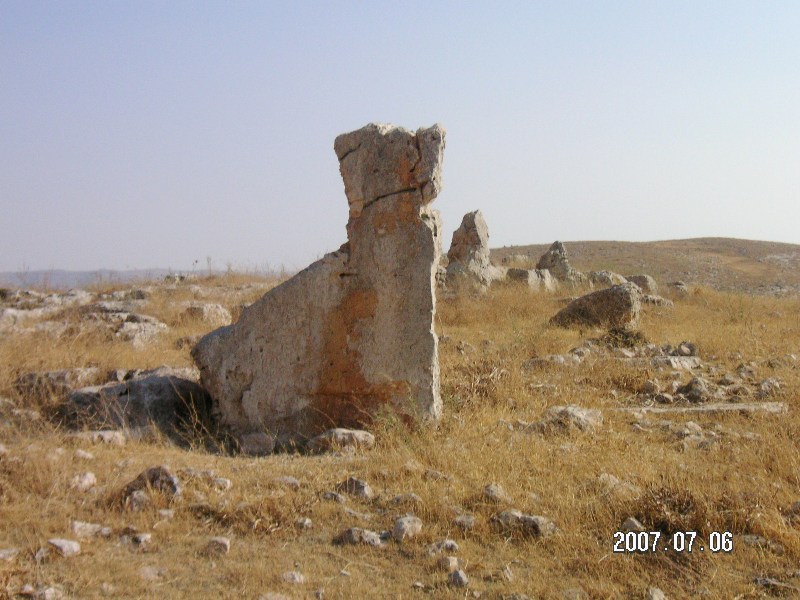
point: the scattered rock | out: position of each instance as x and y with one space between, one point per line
615 307
303 523
340 438
632 524
406 528
606 278
105 436
83 482
565 418
171 399
334 497
288 481
446 545
215 315
356 536
84 530
8 554
458 578
65 548
654 593
646 283
293 577
410 499
529 525
256 443
49 385
352 333
495 494
150 573
357 488
159 479
465 522
217 546
448 564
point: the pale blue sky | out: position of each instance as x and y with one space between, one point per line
153 134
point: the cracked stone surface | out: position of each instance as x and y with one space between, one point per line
352 334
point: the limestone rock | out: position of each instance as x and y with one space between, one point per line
605 278
352 334
536 279
646 283
555 260
614 307
469 267
529 525
356 536
406 528
341 438
564 418
458 578
65 548
170 399
213 314
155 478
357 488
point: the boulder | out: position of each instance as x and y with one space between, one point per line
615 307
605 278
536 279
468 265
169 399
352 334
213 314
555 260
646 283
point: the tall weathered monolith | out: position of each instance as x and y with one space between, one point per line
469 267
352 334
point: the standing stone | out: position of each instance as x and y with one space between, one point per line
555 260
352 334
469 268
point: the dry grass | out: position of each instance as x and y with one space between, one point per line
737 485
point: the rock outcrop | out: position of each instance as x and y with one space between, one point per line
614 307
469 267
352 334
555 260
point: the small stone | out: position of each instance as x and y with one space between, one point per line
458 578
654 593
357 488
406 500
8 554
218 546
632 524
340 438
356 535
83 454
495 493
445 545
105 436
84 530
137 500
303 523
142 540
448 564
406 528
65 548
334 497
651 387
287 481
157 478
256 444
465 522
294 577
532 525
83 482
166 513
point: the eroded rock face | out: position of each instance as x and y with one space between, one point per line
352 334
555 260
469 266
615 307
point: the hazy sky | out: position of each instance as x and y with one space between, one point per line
155 134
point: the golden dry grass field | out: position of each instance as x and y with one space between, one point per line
732 472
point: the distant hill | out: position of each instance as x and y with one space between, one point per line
59 279
721 263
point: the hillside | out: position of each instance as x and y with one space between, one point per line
724 264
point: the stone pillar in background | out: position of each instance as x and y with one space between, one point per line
352 334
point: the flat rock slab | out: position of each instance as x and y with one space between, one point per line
352 334
775 408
